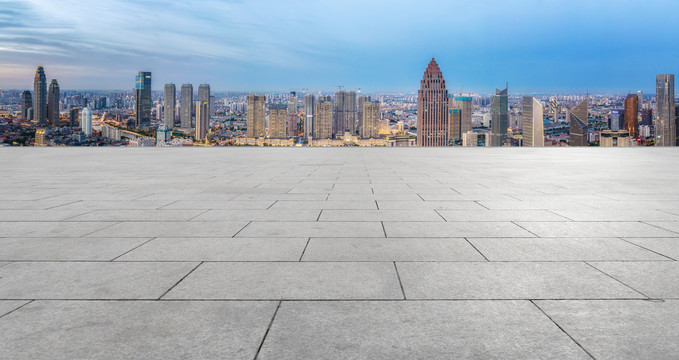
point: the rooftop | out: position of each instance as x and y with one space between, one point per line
310 253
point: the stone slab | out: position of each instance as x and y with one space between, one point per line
656 279
171 229
454 229
66 249
312 229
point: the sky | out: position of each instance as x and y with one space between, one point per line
379 46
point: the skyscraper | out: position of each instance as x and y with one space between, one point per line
53 97
256 118
323 118
86 121
499 117
202 119
143 102
455 122
293 119
370 120
665 126
40 97
362 99
186 104
464 104
169 101
344 118
74 115
26 103
578 121
433 126
533 126
632 115
278 119
309 111
203 97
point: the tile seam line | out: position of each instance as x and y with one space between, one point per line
659 227
193 218
562 330
180 280
645 248
477 250
134 248
398 276
29 302
104 228
616 279
68 203
268 328
534 234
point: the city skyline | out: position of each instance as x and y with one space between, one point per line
246 46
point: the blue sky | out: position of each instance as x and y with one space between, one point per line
379 46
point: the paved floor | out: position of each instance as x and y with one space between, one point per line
298 253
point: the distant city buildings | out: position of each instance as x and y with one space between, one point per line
369 124
433 127
323 118
26 105
74 116
86 121
345 113
293 119
578 121
169 102
632 115
309 112
256 118
186 105
202 119
53 97
499 117
40 97
203 97
665 119
533 127
278 115
143 102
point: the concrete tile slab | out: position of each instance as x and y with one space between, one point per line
619 329
171 229
221 205
415 330
388 249
312 229
139 329
617 215
381 215
50 229
454 229
515 280
31 205
38 215
665 246
7 306
500 215
138 215
66 249
290 280
89 280
114 204
532 205
595 229
218 249
561 249
259 215
323 205
656 279
435 205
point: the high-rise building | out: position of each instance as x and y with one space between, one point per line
309 111
256 118
464 104
74 115
614 120
169 101
53 98
640 96
665 126
533 126
186 115
323 118
203 97
578 122
632 115
362 99
344 118
202 119
26 103
213 109
86 121
293 118
143 102
370 120
278 118
455 122
647 116
433 125
499 122
40 97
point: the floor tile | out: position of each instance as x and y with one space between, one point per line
64 249
656 279
312 229
595 229
454 229
171 229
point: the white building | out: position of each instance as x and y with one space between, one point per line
163 134
86 121
470 138
532 120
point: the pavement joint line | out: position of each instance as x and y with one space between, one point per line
304 250
180 280
515 223
400 283
384 229
134 248
342 300
105 227
377 205
484 206
439 214
319 215
168 204
75 216
238 232
562 330
5 314
477 250
565 217
659 227
616 279
191 219
645 248
68 203
268 328
272 204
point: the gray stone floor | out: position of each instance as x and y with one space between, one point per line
336 253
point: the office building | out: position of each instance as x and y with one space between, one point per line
665 122
53 97
86 121
532 120
40 97
344 119
202 119
26 104
578 122
293 118
163 135
632 115
369 120
278 119
186 105
323 118
309 111
74 116
464 104
433 125
619 138
614 120
40 137
470 139
362 99
143 102
256 118
203 97
169 102
499 122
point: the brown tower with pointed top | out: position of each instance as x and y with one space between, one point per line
433 125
